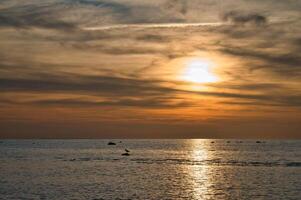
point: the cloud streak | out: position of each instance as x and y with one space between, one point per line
240 18
128 89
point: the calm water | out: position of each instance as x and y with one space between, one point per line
156 169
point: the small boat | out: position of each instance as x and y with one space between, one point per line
126 150
125 154
258 142
111 143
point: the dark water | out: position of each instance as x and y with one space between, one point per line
156 169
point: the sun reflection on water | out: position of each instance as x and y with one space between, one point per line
200 172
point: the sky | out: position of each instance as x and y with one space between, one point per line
150 69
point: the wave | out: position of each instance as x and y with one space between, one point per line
212 162
219 162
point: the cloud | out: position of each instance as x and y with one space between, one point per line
31 21
46 15
125 49
177 6
121 60
134 92
250 86
117 7
84 84
286 64
150 103
70 14
240 18
153 38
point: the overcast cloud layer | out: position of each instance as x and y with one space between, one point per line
95 68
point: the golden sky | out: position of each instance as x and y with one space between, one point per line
150 69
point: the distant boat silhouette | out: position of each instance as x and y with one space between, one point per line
111 143
258 142
127 150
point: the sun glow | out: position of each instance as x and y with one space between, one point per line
199 71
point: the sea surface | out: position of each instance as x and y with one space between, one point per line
155 169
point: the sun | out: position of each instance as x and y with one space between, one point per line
199 71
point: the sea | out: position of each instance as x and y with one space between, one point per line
152 169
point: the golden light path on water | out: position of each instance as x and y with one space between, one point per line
199 173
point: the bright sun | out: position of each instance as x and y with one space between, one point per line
199 71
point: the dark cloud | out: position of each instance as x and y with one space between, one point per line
56 15
177 6
124 13
280 101
123 90
240 18
84 84
288 59
283 63
296 44
153 38
152 103
120 91
46 15
250 86
30 22
117 7
125 49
